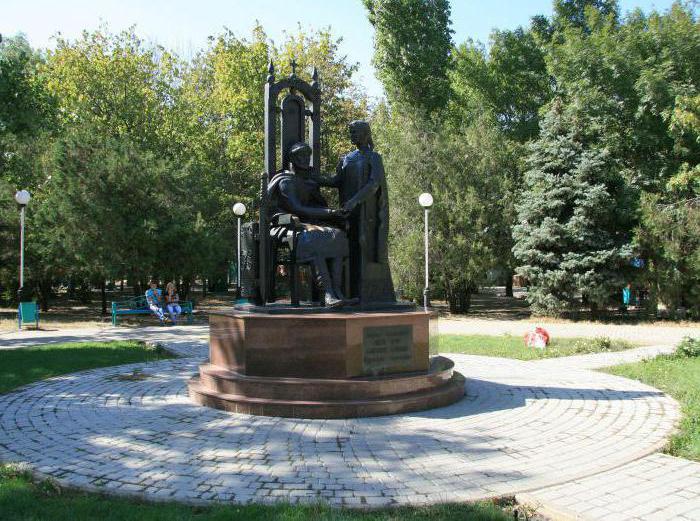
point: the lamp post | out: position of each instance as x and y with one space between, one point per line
22 197
426 201
239 209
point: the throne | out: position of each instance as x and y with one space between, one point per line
292 115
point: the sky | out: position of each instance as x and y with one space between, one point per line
183 25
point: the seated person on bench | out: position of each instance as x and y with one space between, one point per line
320 239
154 298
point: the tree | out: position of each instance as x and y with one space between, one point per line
507 85
111 209
669 235
9 241
633 81
114 82
573 14
460 167
572 237
26 124
413 47
510 80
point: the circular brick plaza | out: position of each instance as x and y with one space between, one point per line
522 426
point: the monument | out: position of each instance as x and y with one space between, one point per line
350 349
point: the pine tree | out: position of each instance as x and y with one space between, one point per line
570 241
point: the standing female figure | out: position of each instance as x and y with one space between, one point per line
171 302
363 194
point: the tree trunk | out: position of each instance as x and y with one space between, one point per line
465 299
103 292
121 286
463 296
509 282
452 302
44 294
185 287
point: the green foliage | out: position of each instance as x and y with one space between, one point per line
571 237
510 80
460 167
133 209
24 101
9 235
688 347
670 220
574 12
146 153
114 81
633 83
413 46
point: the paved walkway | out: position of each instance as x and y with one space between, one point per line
178 338
641 333
598 360
655 488
575 442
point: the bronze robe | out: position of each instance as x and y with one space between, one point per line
361 179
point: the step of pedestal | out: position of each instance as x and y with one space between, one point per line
446 394
225 381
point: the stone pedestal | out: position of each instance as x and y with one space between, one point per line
324 365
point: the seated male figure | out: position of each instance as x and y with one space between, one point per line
320 239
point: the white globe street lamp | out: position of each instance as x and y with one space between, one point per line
239 210
426 201
22 197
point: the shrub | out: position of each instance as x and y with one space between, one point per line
688 347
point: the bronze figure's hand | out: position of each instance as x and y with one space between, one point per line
339 166
340 213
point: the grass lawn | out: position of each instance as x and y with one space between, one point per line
22 498
507 346
26 365
680 378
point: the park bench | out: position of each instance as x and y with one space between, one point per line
28 312
139 306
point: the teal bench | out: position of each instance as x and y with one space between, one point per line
28 312
139 306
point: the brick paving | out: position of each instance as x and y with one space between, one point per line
575 443
521 427
657 487
183 340
598 360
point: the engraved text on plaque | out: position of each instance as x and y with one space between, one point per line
386 347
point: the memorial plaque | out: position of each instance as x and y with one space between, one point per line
386 347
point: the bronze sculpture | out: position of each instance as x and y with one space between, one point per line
361 182
350 258
370 356
319 237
